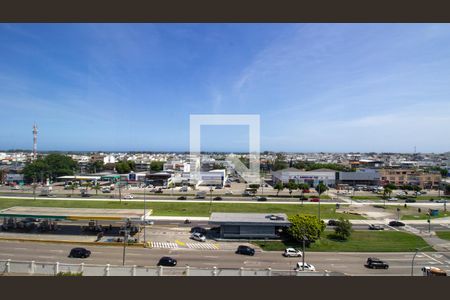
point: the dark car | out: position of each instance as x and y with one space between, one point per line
261 199
79 253
245 250
199 230
396 223
314 200
409 200
375 227
167 261
333 222
158 192
182 198
375 263
217 198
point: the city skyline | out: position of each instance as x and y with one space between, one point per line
317 87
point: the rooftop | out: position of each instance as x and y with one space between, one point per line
73 214
249 218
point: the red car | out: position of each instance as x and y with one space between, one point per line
314 200
305 191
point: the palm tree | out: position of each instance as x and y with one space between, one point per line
96 187
279 187
291 186
87 185
320 189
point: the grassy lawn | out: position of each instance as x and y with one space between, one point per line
412 213
360 241
443 235
187 209
418 198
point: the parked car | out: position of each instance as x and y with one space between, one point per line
441 201
229 193
396 223
392 199
375 263
305 191
291 252
217 198
129 196
167 261
245 250
200 230
410 200
218 187
333 222
375 227
315 199
79 253
182 198
158 191
227 185
197 236
306 267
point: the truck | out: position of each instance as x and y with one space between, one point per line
433 271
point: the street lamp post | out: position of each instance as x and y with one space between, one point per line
145 215
429 223
125 241
414 256
210 199
303 254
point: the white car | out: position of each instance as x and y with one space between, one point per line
291 252
228 193
308 267
392 199
198 237
128 196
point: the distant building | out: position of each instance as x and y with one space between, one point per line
368 177
401 177
313 177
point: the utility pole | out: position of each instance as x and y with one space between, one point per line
210 199
303 254
145 214
125 241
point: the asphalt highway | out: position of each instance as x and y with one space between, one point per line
345 263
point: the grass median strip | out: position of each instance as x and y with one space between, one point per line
186 209
445 235
360 241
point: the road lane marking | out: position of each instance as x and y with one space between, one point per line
430 257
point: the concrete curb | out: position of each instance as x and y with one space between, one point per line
71 242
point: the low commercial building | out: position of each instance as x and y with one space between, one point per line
313 177
401 177
14 179
249 225
362 177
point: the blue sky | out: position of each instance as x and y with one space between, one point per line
316 87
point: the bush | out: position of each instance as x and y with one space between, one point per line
343 229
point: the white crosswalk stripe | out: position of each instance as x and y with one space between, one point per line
206 246
164 245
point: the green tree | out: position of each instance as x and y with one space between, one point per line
302 186
73 187
171 186
391 186
96 166
279 164
123 167
343 230
51 166
387 192
305 225
96 187
321 188
157 165
87 185
279 187
291 186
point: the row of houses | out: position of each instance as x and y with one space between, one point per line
371 177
